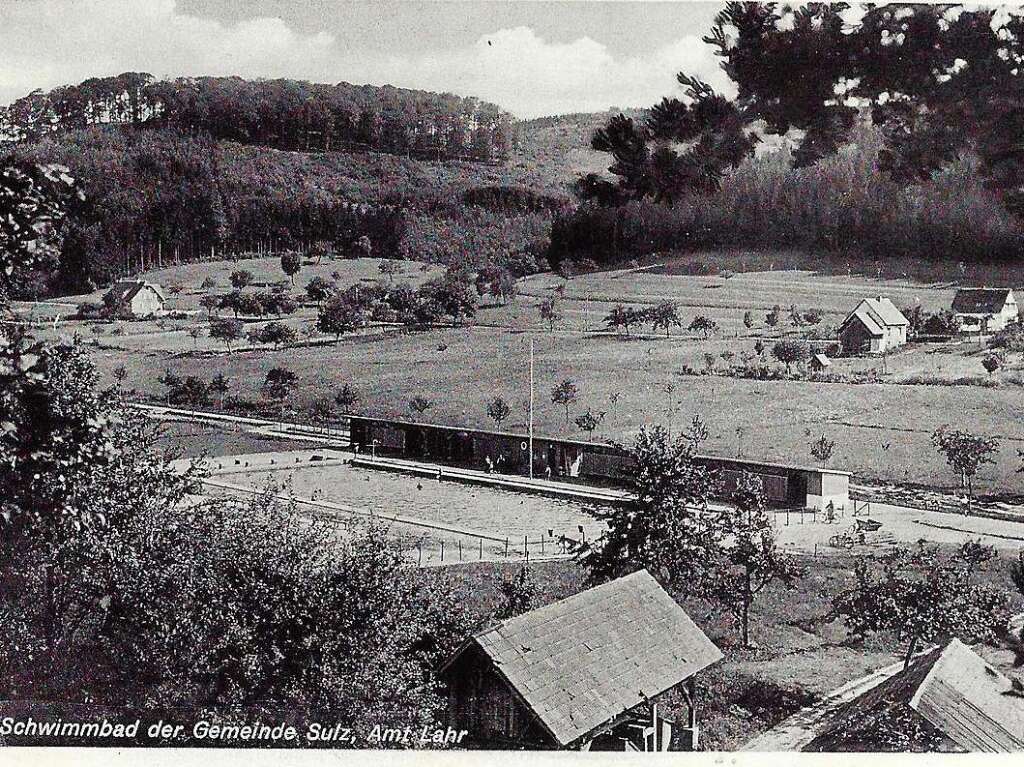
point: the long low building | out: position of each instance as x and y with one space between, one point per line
508 453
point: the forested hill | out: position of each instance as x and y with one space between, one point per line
283 114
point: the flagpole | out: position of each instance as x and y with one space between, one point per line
531 409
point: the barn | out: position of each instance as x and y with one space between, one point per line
585 673
984 310
135 298
875 326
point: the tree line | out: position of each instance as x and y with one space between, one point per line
938 85
284 114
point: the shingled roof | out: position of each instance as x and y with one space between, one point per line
581 662
972 703
955 690
876 314
980 300
125 290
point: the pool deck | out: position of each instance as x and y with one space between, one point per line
506 481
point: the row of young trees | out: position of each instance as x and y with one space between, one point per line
284 114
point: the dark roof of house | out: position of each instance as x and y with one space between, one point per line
876 314
579 663
953 689
980 300
126 290
821 359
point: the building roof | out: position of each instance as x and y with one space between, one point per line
876 314
125 290
971 702
821 359
579 663
981 300
603 446
953 689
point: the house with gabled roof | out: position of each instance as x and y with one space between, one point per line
875 326
984 310
584 673
135 298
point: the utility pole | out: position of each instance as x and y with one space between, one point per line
530 458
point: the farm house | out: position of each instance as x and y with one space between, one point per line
135 298
984 310
584 673
875 326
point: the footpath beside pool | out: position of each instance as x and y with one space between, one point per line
506 481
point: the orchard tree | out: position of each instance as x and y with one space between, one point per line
549 312
589 422
277 333
171 381
389 268
219 387
965 453
706 326
667 525
347 398
751 558
291 264
921 595
790 352
993 361
664 316
211 302
321 412
226 331
241 278
622 317
278 384
499 410
565 394
195 332
748 319
773 317
319 290
340 314
822 449
518 595
420 405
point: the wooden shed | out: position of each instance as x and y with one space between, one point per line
584 673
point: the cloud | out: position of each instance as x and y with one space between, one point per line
53 42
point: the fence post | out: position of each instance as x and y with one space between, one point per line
419 550
481 548
460 549
506 547
542 543
787 516
526 546
442 549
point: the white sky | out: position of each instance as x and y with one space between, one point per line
532 58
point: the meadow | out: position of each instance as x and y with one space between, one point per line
882 430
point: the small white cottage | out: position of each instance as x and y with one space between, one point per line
135 298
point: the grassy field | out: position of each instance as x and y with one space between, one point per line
800 654
881 430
